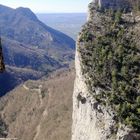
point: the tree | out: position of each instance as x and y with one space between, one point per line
118 16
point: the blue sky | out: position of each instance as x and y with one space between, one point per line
51 6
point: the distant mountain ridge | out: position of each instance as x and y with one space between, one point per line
20 23
30 44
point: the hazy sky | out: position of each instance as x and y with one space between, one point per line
52 6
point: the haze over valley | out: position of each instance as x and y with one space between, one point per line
68 23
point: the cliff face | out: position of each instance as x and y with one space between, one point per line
98 96
2 66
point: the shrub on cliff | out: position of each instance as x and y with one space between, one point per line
111 61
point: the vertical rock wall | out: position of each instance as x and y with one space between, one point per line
2 66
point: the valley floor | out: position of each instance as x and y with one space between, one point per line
40 110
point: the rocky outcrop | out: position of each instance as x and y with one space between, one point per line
115 4
2 66
91 119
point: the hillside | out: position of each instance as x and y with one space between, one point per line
39 110
106 100
14 76
30 44
22 28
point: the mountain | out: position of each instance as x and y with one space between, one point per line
31 45
23 27
106 99
68 23
39 110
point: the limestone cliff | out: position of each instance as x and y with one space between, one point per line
102 108
2 67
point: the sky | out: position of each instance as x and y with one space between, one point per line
50 6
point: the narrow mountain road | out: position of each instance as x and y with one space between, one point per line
38 90
25 87
40 95
45 112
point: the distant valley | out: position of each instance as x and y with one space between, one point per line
68 23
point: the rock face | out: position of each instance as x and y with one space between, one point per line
115 4
91 119
2 67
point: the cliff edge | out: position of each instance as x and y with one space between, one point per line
2 66
106 98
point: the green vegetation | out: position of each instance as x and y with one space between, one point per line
112 62
135 4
